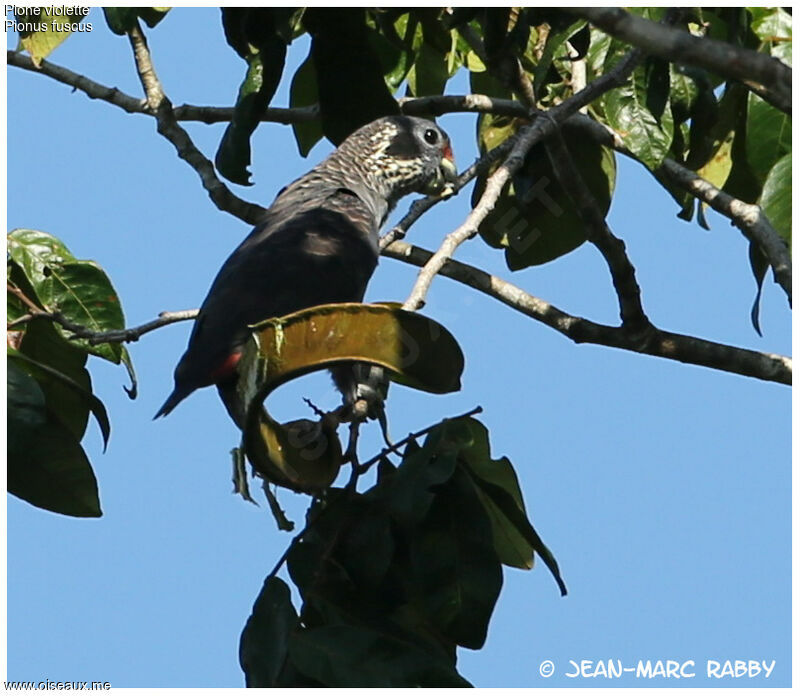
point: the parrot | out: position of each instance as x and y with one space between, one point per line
316 244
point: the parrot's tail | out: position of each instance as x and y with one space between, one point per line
178 395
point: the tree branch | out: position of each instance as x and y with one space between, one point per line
542 127
185 112
160 107
662 344
773 79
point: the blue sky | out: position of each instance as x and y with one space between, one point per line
663 489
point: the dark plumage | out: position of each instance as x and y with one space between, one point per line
317 244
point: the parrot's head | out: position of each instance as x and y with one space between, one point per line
403 154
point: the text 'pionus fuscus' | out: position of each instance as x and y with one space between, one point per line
317 244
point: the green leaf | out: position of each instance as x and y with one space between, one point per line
42 343
742 183
153 15
254 34
352 657
350 84
554 48
769 135
303 92
776 197
45 31
534 219
599 45
122 19
639 110
54 474
264 644
456 573
46 374
429 74
759 265
261 80
79 290
367 549
26 410
773 25
503 499
396 57
511 545
127 361
409 494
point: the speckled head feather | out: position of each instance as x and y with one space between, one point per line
380 162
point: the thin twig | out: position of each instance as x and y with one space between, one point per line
662 344
79 331
773 77
135 332
413 436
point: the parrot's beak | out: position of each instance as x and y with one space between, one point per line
448 165
446 175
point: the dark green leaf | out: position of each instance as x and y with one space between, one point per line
511 546
776 197
429 74
353 657
759 265
742 183
125 357
26 410
46 374
554 48
368 547
153 15
263 74
456 572
409 493
254 34
265 639
54 474
534 219
122 19
42 343
303 92
503 499
350 84
769 135
396 56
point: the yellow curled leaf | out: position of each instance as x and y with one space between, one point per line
306 455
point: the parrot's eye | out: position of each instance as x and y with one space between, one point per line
431 136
